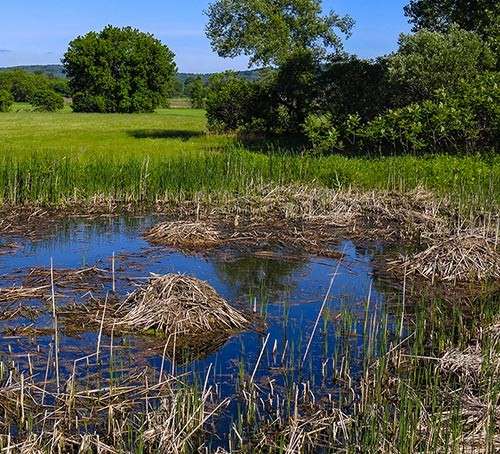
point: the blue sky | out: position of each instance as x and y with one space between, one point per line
38 31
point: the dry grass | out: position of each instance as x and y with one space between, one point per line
95 414
184 235
10 294
463 257
74 279
182 305
37 283
467 363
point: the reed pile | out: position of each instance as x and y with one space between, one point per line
184 235
179 305
85 279
10 294
463 257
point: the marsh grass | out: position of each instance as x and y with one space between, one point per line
419 379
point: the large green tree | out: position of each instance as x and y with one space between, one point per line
270 31
481 16
427 61
119 70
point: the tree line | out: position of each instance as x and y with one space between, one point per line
439 91
43 91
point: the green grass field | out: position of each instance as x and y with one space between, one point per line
53 157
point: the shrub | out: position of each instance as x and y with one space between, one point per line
6 100
354 86
321 133
428 61
196 89
47 100
465 120
60 86
84 102
229 100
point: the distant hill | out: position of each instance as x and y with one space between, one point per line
58 71
51 70
250 75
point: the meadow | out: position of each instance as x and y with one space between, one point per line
51 158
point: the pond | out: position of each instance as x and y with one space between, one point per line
286 292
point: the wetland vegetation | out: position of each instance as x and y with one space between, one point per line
308 261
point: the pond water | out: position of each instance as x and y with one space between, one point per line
286 291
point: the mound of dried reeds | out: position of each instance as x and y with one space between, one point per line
184 235
464 257
465 363
182 305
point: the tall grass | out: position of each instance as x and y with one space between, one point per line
40 178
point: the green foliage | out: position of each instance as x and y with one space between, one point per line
196 90
229 99
21 84
47 100
439 15
60 86
25 85
294 91
119 70
321 133
277 104
465 120
272 30
428 61
6 100
358 86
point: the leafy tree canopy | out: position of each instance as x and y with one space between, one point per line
119 70
481 16
428 61
196 89
47 100
269 31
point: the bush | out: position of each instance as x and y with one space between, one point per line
196 90
229 101
462 121
47 101
6 100
84 102
428 61
355 86
321 133
60 86
465 120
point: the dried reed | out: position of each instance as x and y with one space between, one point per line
179 304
